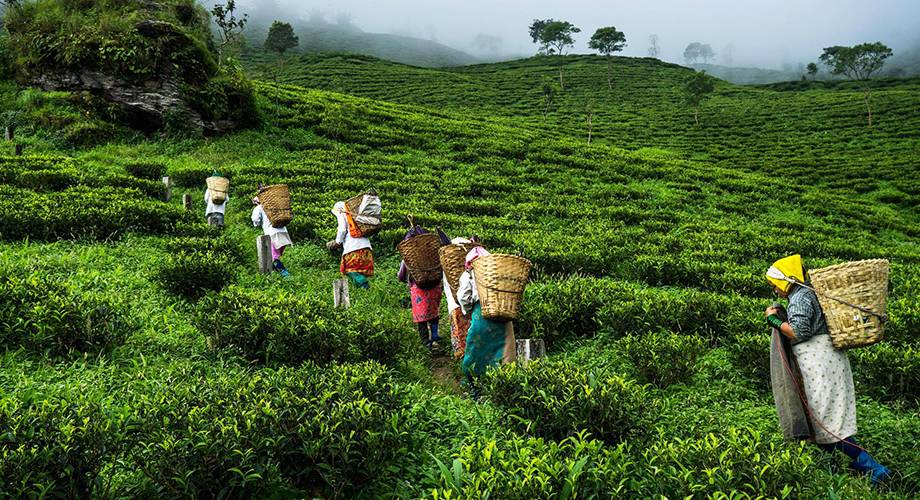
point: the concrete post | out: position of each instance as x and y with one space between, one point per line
264 251
340 293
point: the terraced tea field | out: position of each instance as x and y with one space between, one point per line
146 357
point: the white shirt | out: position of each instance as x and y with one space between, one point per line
451 302
467 294
260 219
344 238
214 208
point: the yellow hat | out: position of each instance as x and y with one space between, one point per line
785 268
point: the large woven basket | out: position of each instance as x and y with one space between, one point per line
500 281
453 262
220 187
863 283
421 255
276 202
352 205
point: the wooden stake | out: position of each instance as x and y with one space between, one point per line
264 251
187 201
168 184
17 150
530 349
340 293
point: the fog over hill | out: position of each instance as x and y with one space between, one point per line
746 33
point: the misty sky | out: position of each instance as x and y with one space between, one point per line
763 33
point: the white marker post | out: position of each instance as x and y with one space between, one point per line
264 251
340 294
168 184
187 201
530 349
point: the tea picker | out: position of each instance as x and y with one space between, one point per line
216 197
357 219
272 211
421 270
811 378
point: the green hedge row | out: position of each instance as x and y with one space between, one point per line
41 314
83 213
276 327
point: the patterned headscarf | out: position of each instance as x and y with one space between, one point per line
474 254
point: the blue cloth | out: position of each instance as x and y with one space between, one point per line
359 280
485 344
805 314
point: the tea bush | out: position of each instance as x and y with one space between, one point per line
556 399
41 314
82 213
153 171
53 446
325 431
192 274
276 327
662 358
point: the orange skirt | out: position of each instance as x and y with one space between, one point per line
359 261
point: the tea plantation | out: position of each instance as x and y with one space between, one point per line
144 356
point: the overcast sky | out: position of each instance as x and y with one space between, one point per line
763 33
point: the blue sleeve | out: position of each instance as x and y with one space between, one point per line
801 317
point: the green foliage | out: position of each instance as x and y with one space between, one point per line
662 358
192 274
553 36
41 314
279 328
696 90
555 400
146 170
859 62
280 38
607 40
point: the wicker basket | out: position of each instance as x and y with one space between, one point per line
421 255
276 202
864 283
453 262
367 230
220 187
500 281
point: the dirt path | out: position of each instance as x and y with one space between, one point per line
444 371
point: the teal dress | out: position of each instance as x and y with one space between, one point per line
485 344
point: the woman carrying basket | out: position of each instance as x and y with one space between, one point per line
812 381
214 211
357 254
426 301
279 236
488 342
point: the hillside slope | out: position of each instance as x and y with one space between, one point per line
145 356
814 136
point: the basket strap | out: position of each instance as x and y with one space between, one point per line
881 317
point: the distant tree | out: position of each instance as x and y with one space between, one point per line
653 49
554 37
812 69
696 90
317 16
549 90
229 28
607 41
692 52
706 53
487 43
281 37
858 63
345 20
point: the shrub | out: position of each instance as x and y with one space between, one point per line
556 399
662 358
52 447
281 328
192 274
82 212
244 433
43 315
888 372
146 170
513 467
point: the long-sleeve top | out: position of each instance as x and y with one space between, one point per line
467 294
214 208
451 302
344 238
260 219
805 314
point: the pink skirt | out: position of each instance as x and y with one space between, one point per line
426 304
